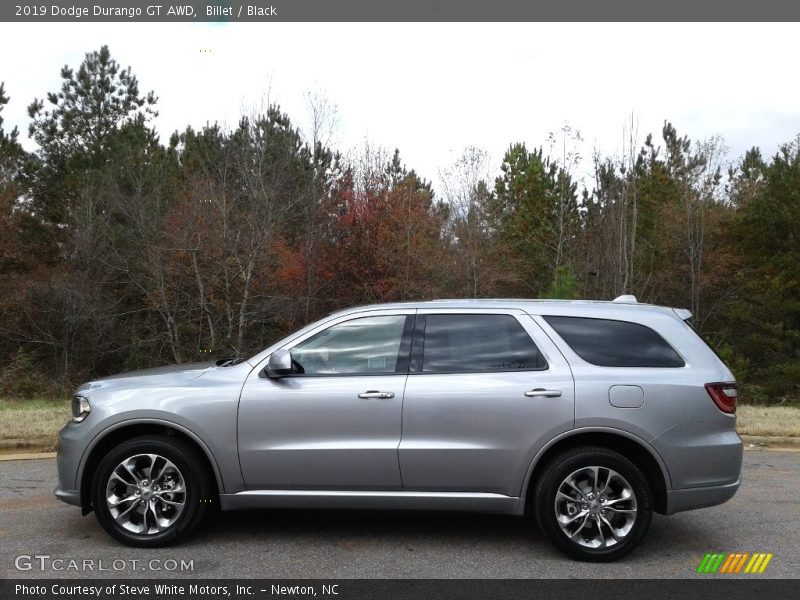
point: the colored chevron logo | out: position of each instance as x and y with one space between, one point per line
734 563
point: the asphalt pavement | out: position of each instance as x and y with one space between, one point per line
764 516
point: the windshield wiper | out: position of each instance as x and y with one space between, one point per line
228 362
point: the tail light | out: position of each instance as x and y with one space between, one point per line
723 395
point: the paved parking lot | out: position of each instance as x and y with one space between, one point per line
764 516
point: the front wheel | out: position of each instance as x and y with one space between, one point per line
593 503
151 490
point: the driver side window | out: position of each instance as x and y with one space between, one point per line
362 346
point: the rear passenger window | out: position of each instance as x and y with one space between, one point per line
609 343
478 343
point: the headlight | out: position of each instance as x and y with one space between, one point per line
80 408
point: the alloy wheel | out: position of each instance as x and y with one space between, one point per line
146 494
595 507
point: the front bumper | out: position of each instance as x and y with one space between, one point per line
72 441
700 497
69 496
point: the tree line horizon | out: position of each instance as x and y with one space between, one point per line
119 252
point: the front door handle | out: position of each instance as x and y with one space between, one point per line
376 394
543 393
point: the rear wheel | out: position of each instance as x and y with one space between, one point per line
151 490
593 503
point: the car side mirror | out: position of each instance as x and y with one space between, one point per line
279 364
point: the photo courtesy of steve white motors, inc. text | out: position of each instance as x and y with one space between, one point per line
130 590
170 589
151 10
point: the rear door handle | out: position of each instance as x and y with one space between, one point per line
376 394
543 393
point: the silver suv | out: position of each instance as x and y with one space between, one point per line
589 415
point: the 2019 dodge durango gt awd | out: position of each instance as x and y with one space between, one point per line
591 415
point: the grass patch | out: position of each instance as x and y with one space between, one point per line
757 395
768 420
28 419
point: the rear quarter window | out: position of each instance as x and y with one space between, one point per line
611 343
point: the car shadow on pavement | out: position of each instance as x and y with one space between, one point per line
363 523
669 535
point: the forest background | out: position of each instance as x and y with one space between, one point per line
120 250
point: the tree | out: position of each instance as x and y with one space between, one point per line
615 257
327 169
653 225
74 126
93 102
469 233
764 326
690 216
16 259
235 237
386 244
73 187
535 209
567 215
11 152
565 286
12 162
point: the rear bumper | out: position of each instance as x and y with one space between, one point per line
702 497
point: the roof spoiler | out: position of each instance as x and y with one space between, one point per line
684 313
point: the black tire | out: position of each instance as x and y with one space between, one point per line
567 463
199 488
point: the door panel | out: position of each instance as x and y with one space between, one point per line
480 431
316 433
335 422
